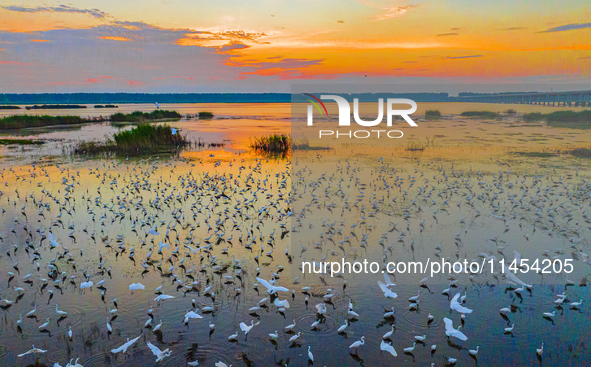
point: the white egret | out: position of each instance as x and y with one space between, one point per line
450 331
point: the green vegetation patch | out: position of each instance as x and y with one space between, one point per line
25 121
482 114
139 116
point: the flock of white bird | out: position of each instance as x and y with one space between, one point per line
207 230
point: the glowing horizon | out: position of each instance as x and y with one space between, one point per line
235 47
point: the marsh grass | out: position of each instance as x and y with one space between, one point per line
139 117
581 152
432 114
482 114
7 107
205 115
414 145
54 107
21 142
534 154
304 144
141 139
272 144
26 121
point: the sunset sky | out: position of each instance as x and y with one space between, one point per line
266 45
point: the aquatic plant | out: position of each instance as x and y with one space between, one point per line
25 121
139 116
21 142
205 115
54 107
581 152
139 140
273 144
433 114
483 114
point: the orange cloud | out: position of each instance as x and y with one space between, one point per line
116 38
93 80
133 82
39 40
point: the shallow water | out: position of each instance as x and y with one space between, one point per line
471 188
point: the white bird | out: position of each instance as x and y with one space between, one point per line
290 326
295 337
192 315
388 348
246 328
110 330
32 312
221 364
162 297
576 304
136 286
450 331
160 354
70 332
388 281
126 345
420 338
59 312
387 292
86 284
271 288
549 314
389 333
310 355
540 351
233 337
509 330
410 349
474 352
274 335
34 350
455 305
157 327
342 328
357 344
279 303
44 326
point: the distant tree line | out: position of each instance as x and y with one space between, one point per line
118 98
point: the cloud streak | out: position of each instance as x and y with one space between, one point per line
568 27
58 9
463 57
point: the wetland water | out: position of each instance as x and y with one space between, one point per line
203 226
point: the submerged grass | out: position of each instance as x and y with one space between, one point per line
141 139
483 114
139 116
21 142
25 121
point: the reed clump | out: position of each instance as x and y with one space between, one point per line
272 144
27 121
482 114
141 139
139 116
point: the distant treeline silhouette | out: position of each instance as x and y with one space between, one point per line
119 98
